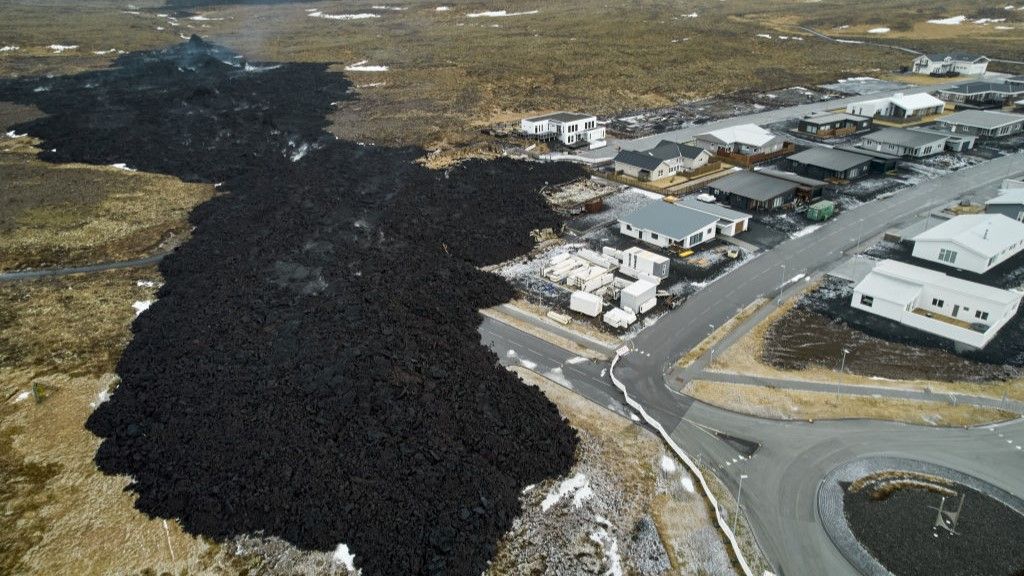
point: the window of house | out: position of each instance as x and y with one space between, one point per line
938 303
981 315
866 300
629 226
654 236
948 256
696 238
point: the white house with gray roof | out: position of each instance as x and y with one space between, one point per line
664 160
933 302
903 142
988 123
1009 202
950 63
569 128
663 224
972 242
730 222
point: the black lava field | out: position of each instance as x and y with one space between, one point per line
311 369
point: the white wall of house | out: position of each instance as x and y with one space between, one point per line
698 237
664 170
940 301
955 256
688 164
647 236
570 132
918 152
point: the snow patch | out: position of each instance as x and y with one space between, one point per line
9 48
768 36
951 21
841 41
528 364
58 48
611 551
576 360
565 487
360 16
141 306
362 66
372 85
668 464
201 18
687 483
691 15
22 396
343 556
442 9
123 166
879 31
101 397
500 14
380 7
145 283
805 231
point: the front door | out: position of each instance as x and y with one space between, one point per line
956 310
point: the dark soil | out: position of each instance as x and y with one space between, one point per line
312 369
899 533
818 329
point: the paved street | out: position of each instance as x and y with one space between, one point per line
779 495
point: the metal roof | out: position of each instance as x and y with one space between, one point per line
753 185
749 134
653 157
829 159
897 281
981 88
639 159
561 117
1008 197
987 120
959 56
718 210
866 152
985 234
904 138
828 118
669 220
792 177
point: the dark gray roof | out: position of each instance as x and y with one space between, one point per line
643 160
668 149
669 220
562 117
963 56
902 137
753 185
652 157
718 210
792 177
865 152
981 87
829 159
985 119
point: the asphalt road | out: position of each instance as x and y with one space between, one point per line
33 274
780 492
761 118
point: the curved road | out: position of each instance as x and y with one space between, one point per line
779 496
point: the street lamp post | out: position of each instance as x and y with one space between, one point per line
739 495
782 279
842 368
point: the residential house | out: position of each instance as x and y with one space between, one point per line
902 142
569 128
748 190
829 163
730 222
950 64
973 242
987 123
955 141
1009 202
663 224
982 94
933 302
664 160
745 139
880 161
833 124
899 107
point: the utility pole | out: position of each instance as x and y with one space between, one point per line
842 368
739 495
782 274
